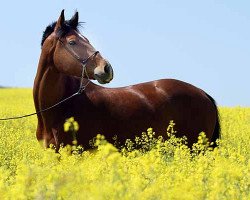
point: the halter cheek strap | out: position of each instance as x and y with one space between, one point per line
83 62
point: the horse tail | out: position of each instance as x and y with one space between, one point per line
217 129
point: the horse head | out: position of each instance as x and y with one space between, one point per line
72 52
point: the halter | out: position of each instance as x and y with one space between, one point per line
83 62
82 86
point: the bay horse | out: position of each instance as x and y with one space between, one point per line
67 56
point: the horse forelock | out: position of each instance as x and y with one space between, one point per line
62 31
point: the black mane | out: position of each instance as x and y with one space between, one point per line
49 29
67 26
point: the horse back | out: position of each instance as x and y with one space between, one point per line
130 110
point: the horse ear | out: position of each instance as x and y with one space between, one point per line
60 21
74 20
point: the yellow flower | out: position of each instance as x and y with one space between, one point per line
71 125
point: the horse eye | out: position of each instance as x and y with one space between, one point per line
72 42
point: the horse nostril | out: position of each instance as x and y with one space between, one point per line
107 68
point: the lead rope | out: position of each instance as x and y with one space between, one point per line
40 111
81 88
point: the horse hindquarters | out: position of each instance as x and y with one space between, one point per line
217 129
196 116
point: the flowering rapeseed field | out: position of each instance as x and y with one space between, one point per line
158 170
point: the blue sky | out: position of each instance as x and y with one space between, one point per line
205 43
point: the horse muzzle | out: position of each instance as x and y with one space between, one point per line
104 75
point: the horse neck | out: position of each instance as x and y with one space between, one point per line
50 86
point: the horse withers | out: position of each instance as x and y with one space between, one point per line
68 60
